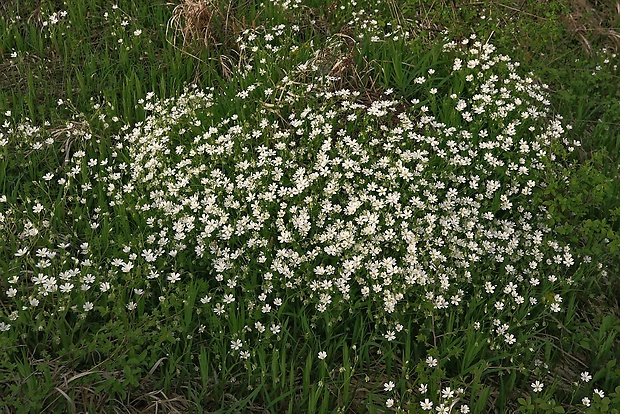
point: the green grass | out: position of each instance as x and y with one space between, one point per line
123 128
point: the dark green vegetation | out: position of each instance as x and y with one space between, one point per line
81 80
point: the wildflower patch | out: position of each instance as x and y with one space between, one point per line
426 216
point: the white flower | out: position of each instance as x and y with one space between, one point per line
174 277
537 386
585 401
447 393
510 339
88 306
432 362
322 355
426 405
21 252
388 386
88 278
585 376
389 403
600 393
148 255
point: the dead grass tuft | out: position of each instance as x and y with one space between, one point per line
341 63
208 24
72 391
596 21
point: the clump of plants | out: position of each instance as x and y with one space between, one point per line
405 246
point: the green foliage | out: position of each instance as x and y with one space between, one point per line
83 114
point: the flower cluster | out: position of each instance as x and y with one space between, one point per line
408 208
346 201
366 214
23 137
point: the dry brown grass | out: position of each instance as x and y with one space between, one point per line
206 24
208 29
76 392
594 22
